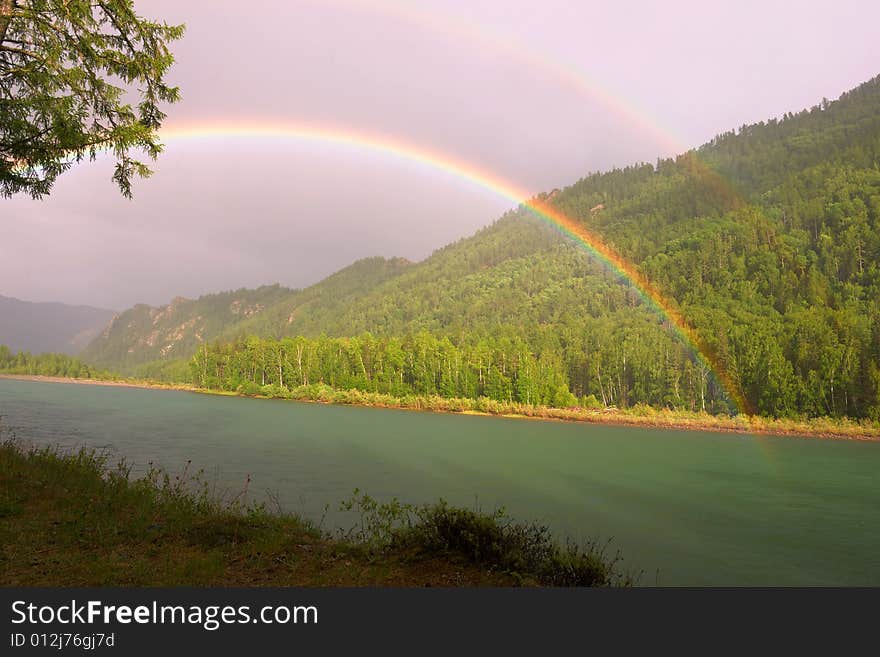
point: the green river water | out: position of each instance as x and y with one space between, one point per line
687 508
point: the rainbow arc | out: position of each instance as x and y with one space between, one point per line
543 209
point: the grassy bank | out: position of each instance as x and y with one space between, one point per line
638 416
69 519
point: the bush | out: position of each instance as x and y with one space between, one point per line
490 540
563 398
591 403
273 391
250 388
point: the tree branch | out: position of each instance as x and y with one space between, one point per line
6 7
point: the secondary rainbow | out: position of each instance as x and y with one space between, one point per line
494 43
573 229
537 62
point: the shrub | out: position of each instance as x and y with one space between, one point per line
563 398
590 402
490 540
250 388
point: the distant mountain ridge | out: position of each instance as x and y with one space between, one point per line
40 327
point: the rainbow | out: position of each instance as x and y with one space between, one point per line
541 208
570 77
497 44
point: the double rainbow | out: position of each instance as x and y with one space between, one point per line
571 228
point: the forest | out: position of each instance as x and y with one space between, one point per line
501 369
49 364
766 239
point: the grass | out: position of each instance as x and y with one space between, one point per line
640 415
72 519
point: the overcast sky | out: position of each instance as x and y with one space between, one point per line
539 93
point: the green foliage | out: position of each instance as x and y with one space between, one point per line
767 240
492 540
142 338
66 67
378 522
497 369
73 518
88 475
170 371
47 365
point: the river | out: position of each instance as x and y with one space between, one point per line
686 508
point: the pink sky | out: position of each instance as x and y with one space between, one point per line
486 82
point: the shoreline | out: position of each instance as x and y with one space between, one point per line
818 428
155 531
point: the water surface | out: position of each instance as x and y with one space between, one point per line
685 507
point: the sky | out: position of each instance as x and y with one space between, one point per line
538 94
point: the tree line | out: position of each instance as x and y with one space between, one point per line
502 369
62 365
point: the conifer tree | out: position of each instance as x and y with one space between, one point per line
78 77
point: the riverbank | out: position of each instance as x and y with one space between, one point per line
68 519
644 416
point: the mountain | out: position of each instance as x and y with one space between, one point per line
766 239
49 327
143 333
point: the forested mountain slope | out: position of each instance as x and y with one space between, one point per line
767 239
144 333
